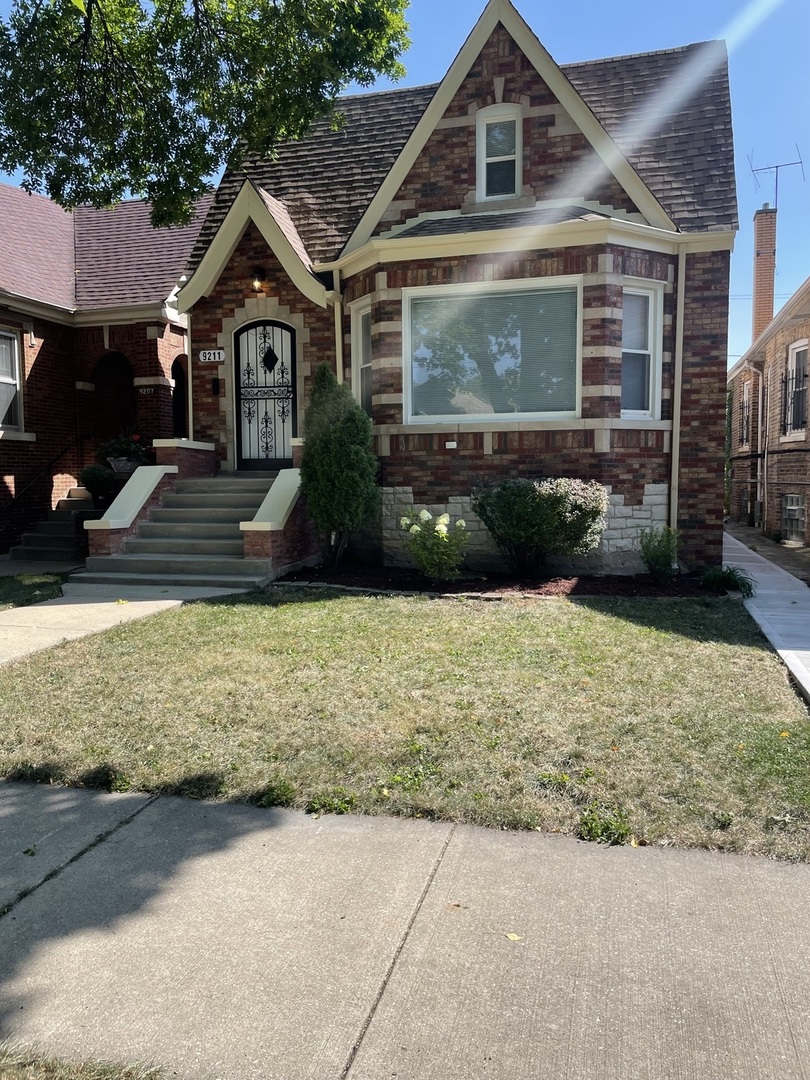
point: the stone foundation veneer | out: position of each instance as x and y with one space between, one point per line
616 554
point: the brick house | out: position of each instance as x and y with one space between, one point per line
91 342
522 270
768 414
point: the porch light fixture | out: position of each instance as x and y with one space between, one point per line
259 276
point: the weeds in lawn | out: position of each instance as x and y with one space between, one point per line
22 1063
604 824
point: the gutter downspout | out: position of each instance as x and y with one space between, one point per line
338 326
677 391
189 377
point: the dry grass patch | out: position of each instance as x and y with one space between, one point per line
673 717
18 1063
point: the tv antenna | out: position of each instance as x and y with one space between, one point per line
775 170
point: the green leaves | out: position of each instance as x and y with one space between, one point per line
100 98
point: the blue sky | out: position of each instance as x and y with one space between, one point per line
770 87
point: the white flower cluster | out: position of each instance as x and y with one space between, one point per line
440 524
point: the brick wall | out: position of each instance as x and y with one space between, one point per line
700 504
554 151
49 406
744 454
233 297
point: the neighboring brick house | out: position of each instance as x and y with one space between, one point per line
90 342
522 270
768 409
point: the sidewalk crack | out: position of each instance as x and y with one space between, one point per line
395 959
99 839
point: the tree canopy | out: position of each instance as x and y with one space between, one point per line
103 98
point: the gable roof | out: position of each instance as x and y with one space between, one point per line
328 179
90 259
36 248
794 310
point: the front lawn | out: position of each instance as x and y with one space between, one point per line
667 722
25 1064
24 589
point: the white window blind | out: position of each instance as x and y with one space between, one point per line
501 158
636 356
365 362
499 354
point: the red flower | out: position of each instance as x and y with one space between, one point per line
136 438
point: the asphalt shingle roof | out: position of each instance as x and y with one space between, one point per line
328 178
520 219
91 258
122 260
36 248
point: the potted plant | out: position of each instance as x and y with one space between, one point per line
124 453
102 484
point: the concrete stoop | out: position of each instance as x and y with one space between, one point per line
55 539
191 539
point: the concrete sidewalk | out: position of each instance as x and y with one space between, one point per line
84 610
232 943
781 607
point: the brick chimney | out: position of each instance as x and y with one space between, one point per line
764 267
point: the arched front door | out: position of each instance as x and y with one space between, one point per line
266 414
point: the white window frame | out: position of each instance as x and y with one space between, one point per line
358 310
746 414
487 288
794 434
16 382
490 115
654 290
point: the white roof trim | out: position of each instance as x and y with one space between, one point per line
502 11
249 206
797 307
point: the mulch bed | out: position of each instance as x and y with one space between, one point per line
392 579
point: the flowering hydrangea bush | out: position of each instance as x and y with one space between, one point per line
435 547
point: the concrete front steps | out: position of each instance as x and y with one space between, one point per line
192 539
55 539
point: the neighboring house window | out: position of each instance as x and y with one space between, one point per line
361 354
500 351
10 410
794 389
641 351
745 433
499 166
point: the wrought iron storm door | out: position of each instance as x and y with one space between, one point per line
267 416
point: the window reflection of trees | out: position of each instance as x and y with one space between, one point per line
494 354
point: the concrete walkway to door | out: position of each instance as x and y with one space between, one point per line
781 607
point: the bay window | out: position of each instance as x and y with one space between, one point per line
494 351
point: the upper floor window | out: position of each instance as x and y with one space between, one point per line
10 412
794 389
641 350
499 137
502 351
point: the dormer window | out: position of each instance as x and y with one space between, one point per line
500 152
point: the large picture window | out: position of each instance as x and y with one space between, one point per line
486 354
10 414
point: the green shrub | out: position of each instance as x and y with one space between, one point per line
604 824
659 551
435 547
729 579
532 519
98 479
338 468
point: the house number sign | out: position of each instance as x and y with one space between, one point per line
212 356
